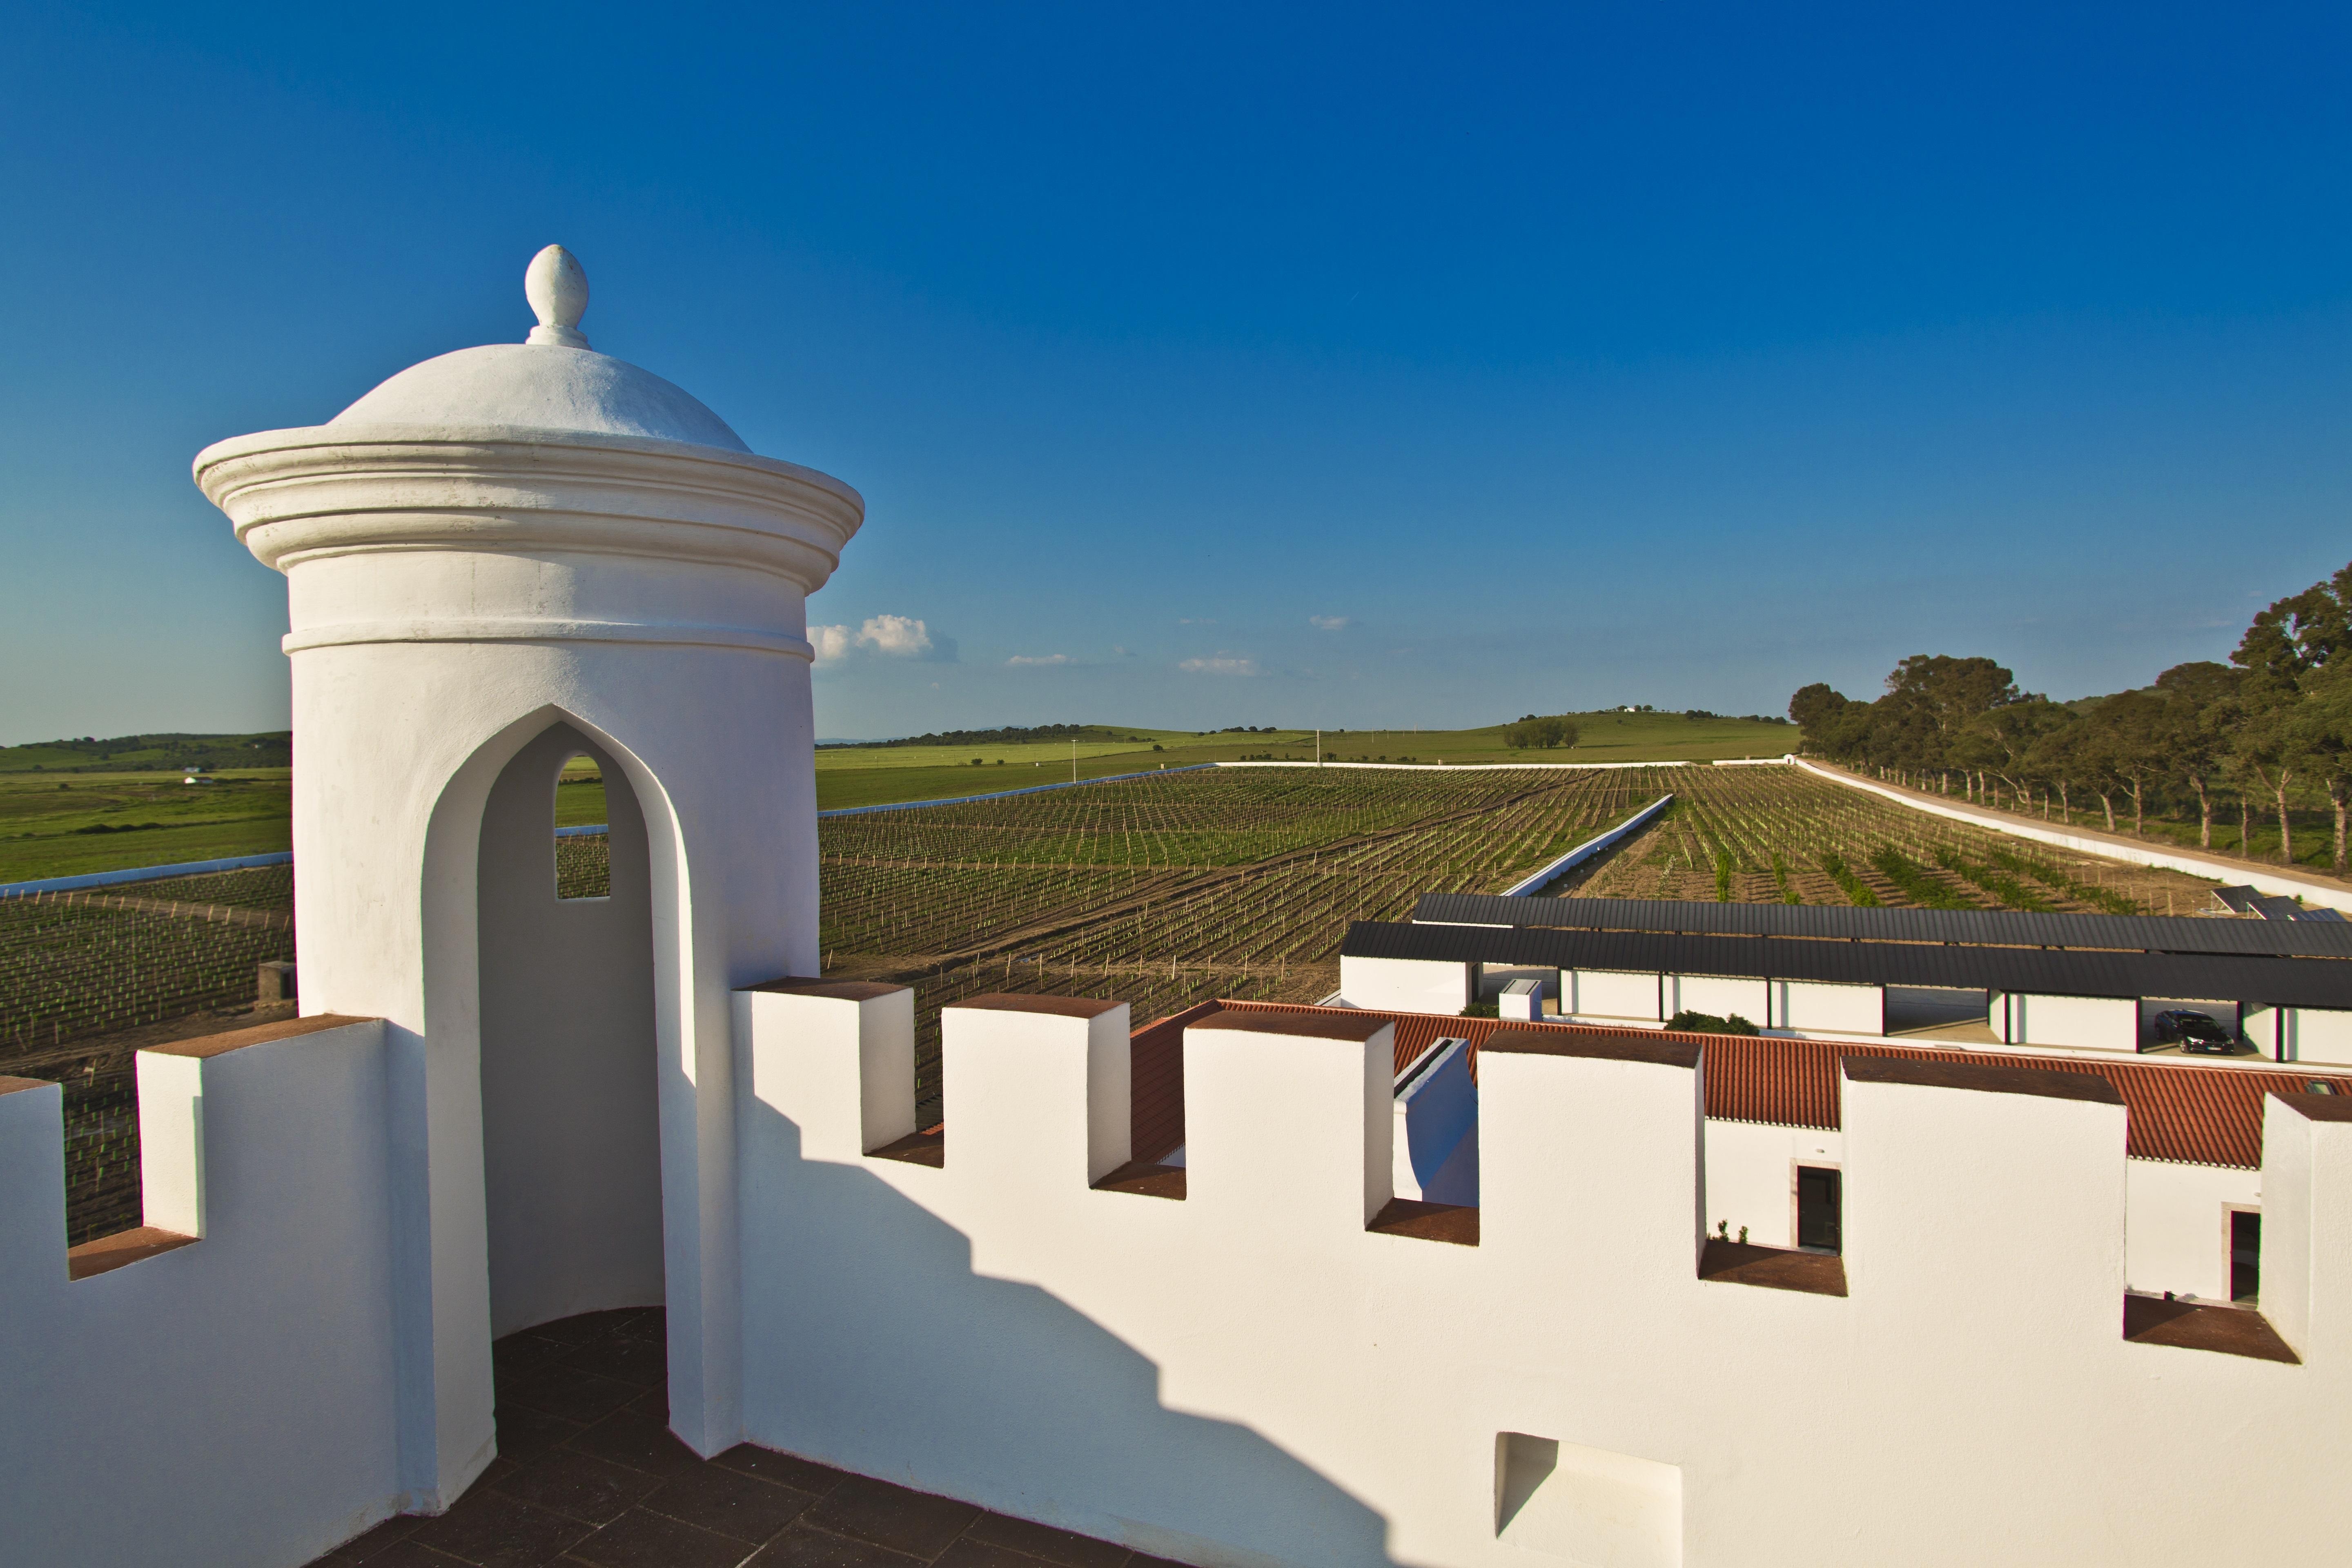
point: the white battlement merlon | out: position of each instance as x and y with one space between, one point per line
2307 1254
33 1177
1590 1147
1036 1089
239 1390
1986 1203
836 1058
172 1141
1289 1122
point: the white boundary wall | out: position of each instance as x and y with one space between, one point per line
2262 879
229 1404
977 1328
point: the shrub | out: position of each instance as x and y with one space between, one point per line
1539 733
1708 1023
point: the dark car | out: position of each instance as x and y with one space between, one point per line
2195 1031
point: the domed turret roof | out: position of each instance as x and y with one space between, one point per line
553 381
541 386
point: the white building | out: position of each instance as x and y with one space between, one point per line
504 1106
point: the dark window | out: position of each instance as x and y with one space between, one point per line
1817 1209
2245 1256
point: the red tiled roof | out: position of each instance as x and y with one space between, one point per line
2197 1115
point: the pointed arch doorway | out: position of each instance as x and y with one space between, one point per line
571 1130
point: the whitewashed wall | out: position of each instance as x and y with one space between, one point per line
1751 1175
1405 984
1840 1009
1612 993
1286 1387
2319 1035
2177 1234
2092 1023
230 1403
1720 995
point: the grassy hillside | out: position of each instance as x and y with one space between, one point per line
158 753
52 826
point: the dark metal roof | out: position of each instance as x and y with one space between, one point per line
2281 982
2000 927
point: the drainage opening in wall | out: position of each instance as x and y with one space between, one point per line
1586 1506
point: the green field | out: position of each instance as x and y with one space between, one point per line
102 816
876 776
52 826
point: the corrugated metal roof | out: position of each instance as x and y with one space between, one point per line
2055 971
1976 927
2193 1114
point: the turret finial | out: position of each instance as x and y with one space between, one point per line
558 291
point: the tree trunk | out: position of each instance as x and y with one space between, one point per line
2108 801
2245 826
2137 817
2065 812
2286 833
2339 796
2204 812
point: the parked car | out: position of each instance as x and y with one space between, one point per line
2195 1031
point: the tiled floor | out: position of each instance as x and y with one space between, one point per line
588 1476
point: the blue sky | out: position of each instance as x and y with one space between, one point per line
1202 366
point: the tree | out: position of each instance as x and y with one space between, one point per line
2322 725
1542 733
2198 706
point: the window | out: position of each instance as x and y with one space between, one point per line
2245 1256
584 850
1819 1210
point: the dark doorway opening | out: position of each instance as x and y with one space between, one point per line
2245 1257
1818 1208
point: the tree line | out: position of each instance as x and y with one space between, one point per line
2271 726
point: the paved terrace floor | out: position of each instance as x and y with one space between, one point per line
588 1476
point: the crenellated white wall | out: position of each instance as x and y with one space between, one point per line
1248 1374
229 1403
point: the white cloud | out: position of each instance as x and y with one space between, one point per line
1222 664
888 636
894 636
1023 659
832 643
1328 623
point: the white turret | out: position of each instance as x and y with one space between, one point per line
499 559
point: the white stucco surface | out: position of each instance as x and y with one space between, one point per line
492 545
1751 1175
231 1403
1405 984
1612 993
1721 995
540 387
2084 1023
1836 1009
2316 1035
1258 1352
